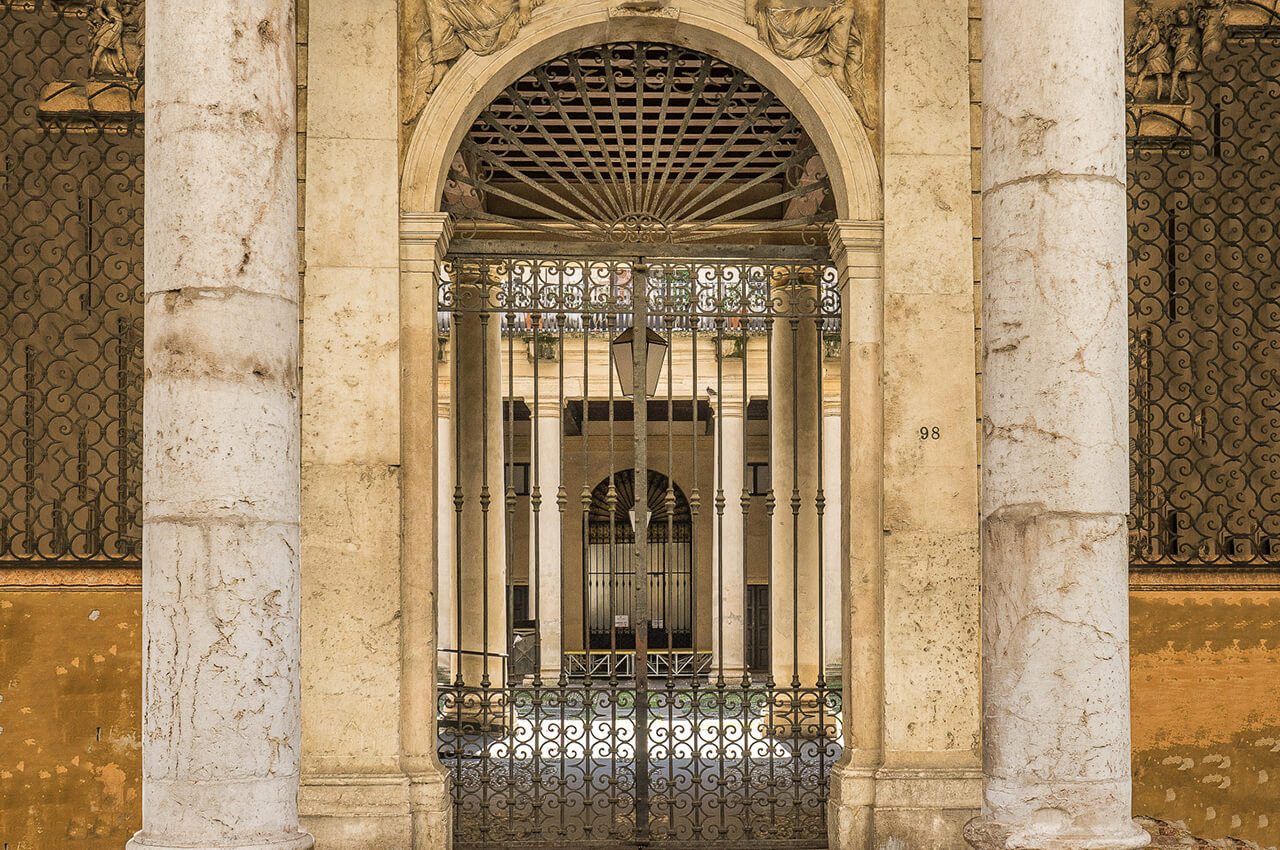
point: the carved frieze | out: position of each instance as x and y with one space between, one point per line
112 86
1169 45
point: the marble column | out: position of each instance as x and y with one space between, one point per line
548 434
221 492
1055 488
424 238
832 547
795 415
481 607
727 553
857 249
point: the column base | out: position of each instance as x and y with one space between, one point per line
432 811
355 811
987 834
851 808
298 841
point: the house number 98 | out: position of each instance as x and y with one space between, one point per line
930 433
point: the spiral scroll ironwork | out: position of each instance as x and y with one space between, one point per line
1204 249
70 305
555 765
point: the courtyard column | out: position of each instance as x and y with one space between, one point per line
548 434
479 494
728 566
445 561
424 238
795 417
1055 488
832 548
221 490
857 249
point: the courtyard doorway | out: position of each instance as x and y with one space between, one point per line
635 269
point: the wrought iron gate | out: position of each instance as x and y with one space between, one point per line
640 750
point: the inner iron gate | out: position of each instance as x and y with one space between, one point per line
580 706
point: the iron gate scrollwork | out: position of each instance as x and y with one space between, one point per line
1204 244
628 753
70 285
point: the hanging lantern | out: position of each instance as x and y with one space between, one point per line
655 354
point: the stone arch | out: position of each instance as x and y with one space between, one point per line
717 28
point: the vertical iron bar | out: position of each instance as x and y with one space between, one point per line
820 500
640 552
535 505
509 493
794 323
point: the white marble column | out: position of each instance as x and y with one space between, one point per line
832 548
795 416
727 553
1055 489
221 493
546 473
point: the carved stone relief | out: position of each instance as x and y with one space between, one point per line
448 28
1170 44
827 34
112 85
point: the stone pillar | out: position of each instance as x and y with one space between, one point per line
548 432
832 547
424 238
795 416
727 554
446 561
479 482
1055 488
221 493
856 250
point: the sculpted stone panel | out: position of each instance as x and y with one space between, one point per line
445 29
828 35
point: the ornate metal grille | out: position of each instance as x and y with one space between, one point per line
70 284
640 742
639 142
1204 243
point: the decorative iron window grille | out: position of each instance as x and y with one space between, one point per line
70 285
1204 284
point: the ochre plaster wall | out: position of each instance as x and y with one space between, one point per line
1206 712
70 718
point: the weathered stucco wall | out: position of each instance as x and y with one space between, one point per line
1206 718
70 718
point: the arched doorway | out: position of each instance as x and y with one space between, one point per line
608 566
638 221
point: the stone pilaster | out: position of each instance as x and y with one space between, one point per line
856 250
221 594
1055 487
424 238
728 563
